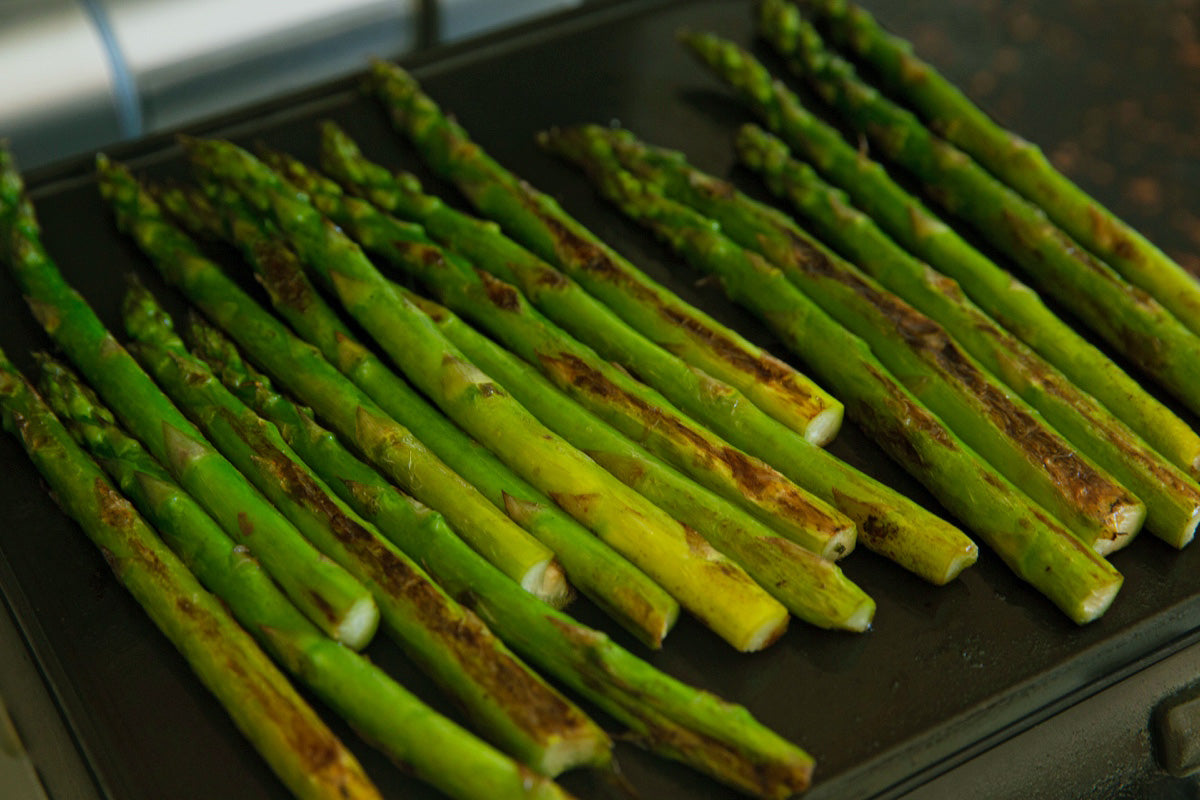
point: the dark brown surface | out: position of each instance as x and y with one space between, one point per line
1107 87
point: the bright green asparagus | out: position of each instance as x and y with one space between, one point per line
520 556
281 726
383 712
610 393
607 578
704 581
812 588
1011 303
1019 163
1132 322
886 520
536 220
322 590
664 715
997 425
509 703
1172 498
1034 545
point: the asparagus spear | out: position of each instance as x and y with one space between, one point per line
520 556
381 710
322 590
1019 163
995 423
1132 322
286 732
606 577
1035 545
536 220
664 715
631 407
705 582
507 701
811 587
1172 498
1010 302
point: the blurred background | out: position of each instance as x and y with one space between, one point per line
83 74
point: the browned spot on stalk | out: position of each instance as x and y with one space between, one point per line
282 275
115 510
1109 235
551 278
245 526
753 477
1088 488
534 706
502 295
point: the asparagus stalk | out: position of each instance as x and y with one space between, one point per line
1172 497
1017 162
631 407
512 706
1035 545
536 220
1132 322
996 424
1010 302
606 577
519 556
286 732
664 715
704 581
322 590
812 588
886 520
381 710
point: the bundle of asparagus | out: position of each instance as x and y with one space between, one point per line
1006 155
297 745
396 722
1035 545
1131 321
997 425
1006 299
504 699
705 582
887 521
604 576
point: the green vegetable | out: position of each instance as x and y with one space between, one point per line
1010 158
1010 302
509 703
286 732
520 556
322 590
536 220
606 577
664 715
705 582
1172 498
1034 545
1129 320
997 425
381 710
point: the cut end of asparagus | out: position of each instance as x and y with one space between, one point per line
1184 534
824 426
572 753
859 620
358 625
840 543
955 566
1093 606
547 581
1126 522
764 635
